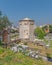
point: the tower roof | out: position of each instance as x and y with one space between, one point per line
26 19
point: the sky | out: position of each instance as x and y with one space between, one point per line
38 10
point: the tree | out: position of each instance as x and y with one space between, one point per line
0 13
0 43
50 28
4 21
39 33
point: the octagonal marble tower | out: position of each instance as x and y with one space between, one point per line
26 29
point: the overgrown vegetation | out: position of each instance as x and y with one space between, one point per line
50 28
39 32
8 57
4 21
49 55
25 43
51 44
0 43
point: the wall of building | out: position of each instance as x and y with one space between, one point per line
26 29
31 31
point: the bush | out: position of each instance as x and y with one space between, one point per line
0 43
48 55
25 43
1 50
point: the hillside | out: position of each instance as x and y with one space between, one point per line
8 57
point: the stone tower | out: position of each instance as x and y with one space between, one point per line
26 29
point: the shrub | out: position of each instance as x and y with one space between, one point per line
48 55
25 43
0 43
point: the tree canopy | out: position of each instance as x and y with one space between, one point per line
4 21
50 28
0 13
39 33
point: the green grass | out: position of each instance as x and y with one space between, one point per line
8 57
46 41
51 44
1 50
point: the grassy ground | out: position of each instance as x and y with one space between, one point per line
42 49
7 57
51 44
48 42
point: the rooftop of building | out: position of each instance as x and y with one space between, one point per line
26 19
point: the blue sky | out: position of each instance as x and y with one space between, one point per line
38 10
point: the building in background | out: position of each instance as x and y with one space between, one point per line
26 29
